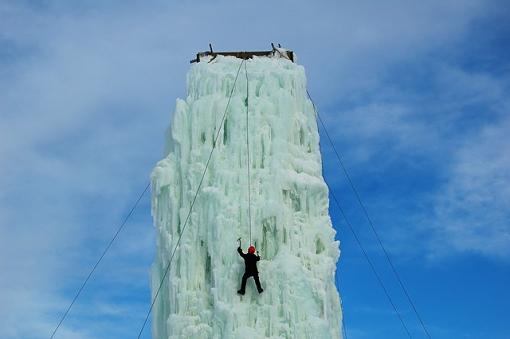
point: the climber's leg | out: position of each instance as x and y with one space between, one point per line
243 284
257 282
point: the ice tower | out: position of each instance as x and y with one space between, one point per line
289 208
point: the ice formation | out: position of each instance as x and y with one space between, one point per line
289 208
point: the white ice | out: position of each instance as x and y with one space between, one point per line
290 221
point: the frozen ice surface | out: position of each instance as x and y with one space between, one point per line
290 221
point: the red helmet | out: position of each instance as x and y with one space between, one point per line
251 249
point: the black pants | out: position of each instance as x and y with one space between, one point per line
255 277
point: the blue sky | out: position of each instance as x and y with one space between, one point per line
416 96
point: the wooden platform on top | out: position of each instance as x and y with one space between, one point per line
276 51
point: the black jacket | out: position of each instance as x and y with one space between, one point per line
250 262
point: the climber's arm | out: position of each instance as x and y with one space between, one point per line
240 251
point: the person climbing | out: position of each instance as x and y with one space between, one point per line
250 268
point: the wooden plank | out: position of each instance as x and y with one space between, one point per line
241 55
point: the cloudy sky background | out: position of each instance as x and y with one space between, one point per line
416 95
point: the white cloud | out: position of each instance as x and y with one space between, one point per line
87 93
460 138
473 206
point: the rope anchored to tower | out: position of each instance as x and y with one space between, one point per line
248 147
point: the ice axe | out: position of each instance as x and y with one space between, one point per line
239 240
257 247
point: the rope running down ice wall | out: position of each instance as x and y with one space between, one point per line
192 203
248 149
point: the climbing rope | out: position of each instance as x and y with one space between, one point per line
365 211
98 261
365 254
192 204
248 149
105 251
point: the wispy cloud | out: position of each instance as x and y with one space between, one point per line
88 90
457 137
472 207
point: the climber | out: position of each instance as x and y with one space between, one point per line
250 268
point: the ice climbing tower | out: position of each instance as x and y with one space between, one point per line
257 111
